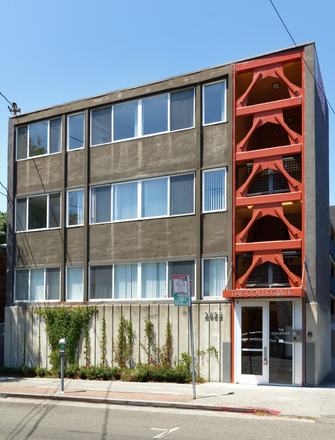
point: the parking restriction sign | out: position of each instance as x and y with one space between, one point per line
181 290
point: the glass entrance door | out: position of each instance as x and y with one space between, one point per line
263 342
281 359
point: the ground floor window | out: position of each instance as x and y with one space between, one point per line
140 280
75 283
214 276
37 284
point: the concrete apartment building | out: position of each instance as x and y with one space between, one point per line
219 174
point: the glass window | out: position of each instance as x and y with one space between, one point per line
101 204
37 212
55 136
125 201
181 194
52 284
22 136
154 197
125 281
75 212
101 282
54 210
214 190
181 110
155 114
74 283
214 103
181 268
22 285
214 277
21 214
75 138
153 280
101 126
36 285
38 139
125 120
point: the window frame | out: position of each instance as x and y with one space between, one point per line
48 139
223 81
68 132
19 269
140 117
67 208
139 281
139 200
47 209
225 169
225 258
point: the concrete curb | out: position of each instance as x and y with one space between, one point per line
157 404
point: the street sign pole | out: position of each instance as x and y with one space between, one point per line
192 348
182 293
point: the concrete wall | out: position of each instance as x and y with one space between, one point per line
208 332
316 229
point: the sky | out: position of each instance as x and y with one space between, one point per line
56 52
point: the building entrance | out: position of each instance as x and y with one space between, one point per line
264 347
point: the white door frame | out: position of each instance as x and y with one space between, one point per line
297 358
251 378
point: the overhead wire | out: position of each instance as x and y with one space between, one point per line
303 58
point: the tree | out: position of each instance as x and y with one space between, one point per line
3 227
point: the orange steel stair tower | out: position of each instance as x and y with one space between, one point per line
268 166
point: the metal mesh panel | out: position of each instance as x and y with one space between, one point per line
293 262
259 276
279 276
260 183
269 181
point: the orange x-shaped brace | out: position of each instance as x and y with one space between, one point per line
275 163
274 117
262 257
275 210
274 71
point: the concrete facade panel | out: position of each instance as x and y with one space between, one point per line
148 239
174 313
39 175
216 139
214 344
75 161
75 249
146 157
31 248
184 330
216 238
109 335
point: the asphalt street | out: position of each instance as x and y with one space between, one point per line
27 419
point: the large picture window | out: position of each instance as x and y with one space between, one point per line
149 198
214 103
38 212
214 190
37 284
38 139
143 117
214 276
138 280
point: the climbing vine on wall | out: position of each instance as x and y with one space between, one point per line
65 322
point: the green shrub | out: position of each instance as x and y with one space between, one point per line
7 371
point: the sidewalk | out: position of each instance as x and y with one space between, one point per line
275 400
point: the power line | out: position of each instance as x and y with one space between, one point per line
303 58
